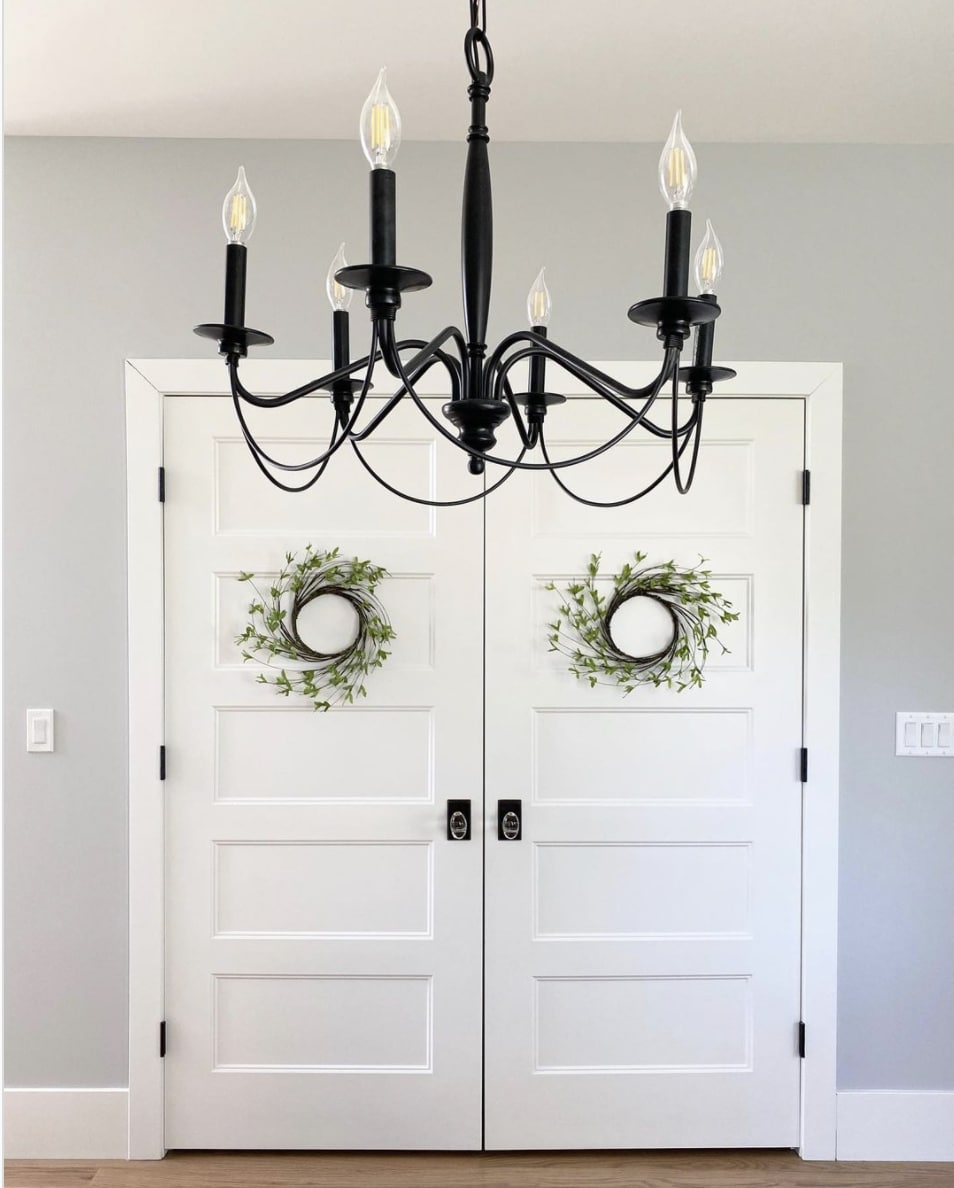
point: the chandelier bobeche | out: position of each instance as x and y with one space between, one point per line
481 389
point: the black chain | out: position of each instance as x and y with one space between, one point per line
478 15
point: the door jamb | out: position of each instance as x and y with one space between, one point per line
149 381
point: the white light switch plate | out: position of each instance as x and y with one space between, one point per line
929 735
40 730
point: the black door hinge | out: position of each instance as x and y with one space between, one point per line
162 484
162 763
162 1038
806 487
803 765
801 1040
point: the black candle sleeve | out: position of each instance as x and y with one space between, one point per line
702 354
678 230
235 261
383 220
341 346
705 337
538 364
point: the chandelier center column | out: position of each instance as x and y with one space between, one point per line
477 219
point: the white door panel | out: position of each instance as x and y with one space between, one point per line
323 936
642 961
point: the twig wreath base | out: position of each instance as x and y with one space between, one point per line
326 678
583 630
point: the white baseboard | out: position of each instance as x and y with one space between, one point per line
65 1123
896 1126
93 1124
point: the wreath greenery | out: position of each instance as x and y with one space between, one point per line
583 630
328 678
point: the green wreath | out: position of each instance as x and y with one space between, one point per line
583 630
328 678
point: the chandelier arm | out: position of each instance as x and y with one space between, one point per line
697 411
389 349
260 455
519 464
637 416
428 354
598 380
431 502
592 375
432 348
617 502
695 438
394 401
527 438
255 450
419 365
670 369
676 430
296 394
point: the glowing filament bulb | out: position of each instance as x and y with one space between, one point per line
238 210
338 295
677 167
709 261
539 305
380 125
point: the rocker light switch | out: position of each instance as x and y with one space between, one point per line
39 730
929 736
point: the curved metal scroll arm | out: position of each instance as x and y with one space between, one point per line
612 390
669 367
429 354
677 453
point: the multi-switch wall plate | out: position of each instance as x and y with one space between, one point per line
927 735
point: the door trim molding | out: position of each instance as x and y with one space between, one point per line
149 381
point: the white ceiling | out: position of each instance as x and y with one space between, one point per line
614 70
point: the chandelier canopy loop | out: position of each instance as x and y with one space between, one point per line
484 396
475 42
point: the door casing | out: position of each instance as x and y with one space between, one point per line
148 382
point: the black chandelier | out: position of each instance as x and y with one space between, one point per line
482 392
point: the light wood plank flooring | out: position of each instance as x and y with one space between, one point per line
615 1169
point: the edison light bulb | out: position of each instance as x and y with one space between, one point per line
380 125
709 261
539 304
338 295
238 210
677 167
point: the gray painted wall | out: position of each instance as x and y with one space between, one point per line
114 250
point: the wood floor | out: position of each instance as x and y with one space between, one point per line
616 1169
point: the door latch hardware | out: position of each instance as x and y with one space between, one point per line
509 822
458 820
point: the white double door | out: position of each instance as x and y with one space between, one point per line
340 974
